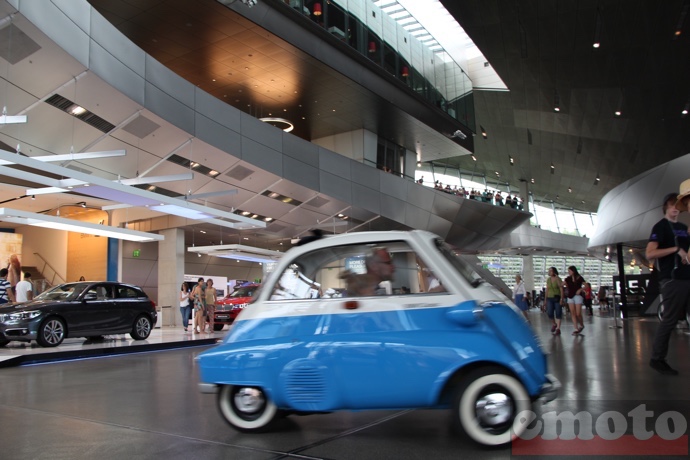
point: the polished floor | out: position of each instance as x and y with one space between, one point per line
146 405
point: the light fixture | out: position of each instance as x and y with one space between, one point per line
570 190
484 135
76 110
238 252
553 168
512 162
317 9
419 164
117 190
473 157
8 119
60 223
617 113
597 31
596 180
280 123
556 102
532 180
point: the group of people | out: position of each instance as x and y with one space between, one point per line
573 292
12 287
200 301
487 196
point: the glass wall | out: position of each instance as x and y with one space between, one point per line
546 215
595 271
431 73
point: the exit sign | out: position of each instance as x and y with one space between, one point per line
136 253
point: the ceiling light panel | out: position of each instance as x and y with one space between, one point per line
60 223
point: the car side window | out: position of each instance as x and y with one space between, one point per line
362 270
99 292
125 292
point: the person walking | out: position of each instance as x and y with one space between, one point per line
587 298
199 299
210 304
185 305
519 296
668 247
575 283
554 296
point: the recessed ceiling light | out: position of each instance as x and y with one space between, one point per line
596 45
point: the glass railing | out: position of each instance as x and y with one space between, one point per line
426 69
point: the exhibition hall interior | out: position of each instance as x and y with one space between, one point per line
146 144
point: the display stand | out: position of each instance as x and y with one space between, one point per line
613 307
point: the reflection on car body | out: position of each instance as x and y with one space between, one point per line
301 349
83 309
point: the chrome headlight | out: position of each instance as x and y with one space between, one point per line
23 315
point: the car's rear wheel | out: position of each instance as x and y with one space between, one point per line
141 328
51 332
246 409
486 405
218 327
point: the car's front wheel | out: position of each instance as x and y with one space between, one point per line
51 332
246 409
141 328
486 405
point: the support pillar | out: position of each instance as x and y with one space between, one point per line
171 255
528 273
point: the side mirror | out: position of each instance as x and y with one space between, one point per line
466 314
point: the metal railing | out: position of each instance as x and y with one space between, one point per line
50 275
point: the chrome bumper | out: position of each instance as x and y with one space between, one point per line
209 388
549 390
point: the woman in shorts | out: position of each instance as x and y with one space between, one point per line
575 285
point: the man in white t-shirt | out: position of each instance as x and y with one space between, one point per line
25 289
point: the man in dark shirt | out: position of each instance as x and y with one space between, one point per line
668 244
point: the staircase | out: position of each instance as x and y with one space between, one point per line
40 283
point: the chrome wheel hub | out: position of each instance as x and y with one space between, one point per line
494 409
249 400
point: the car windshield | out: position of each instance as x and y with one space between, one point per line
63 292
463 267
243 292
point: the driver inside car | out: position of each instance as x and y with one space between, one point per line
379 266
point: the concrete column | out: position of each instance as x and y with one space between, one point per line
528 272
171 252
524 195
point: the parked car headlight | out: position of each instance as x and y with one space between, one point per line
23 315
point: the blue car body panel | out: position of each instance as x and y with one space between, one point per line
371 360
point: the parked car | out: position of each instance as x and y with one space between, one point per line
232 304
83 309
453 342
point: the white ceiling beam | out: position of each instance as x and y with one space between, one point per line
118 190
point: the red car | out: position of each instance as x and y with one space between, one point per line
232 304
